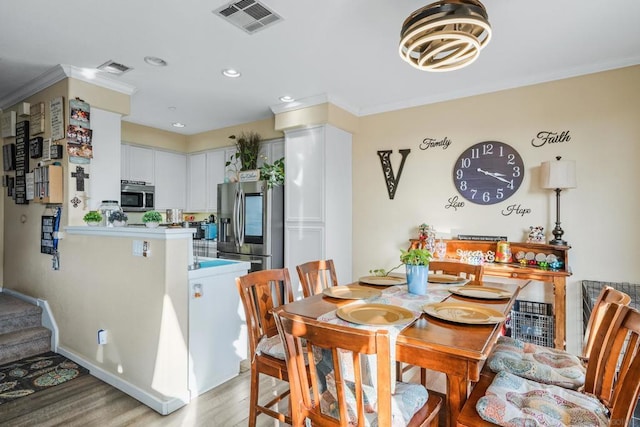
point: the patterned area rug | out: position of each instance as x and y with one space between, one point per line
35 373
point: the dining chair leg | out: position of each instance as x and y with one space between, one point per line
253 400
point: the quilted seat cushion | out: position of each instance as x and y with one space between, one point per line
541 364
272 346
514 401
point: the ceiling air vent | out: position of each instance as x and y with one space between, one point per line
113 67
250 15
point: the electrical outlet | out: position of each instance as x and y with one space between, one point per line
102 336
137 248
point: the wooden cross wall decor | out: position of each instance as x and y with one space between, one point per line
80 176
390 178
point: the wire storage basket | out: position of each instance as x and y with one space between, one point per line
533 322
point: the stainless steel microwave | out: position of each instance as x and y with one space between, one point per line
137 196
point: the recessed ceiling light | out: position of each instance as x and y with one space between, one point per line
178 125
230 72
155 61
287 98
172 108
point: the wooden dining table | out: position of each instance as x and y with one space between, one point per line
455 349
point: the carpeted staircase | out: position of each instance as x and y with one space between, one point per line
21 331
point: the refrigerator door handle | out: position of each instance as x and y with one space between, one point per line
241 217
236 234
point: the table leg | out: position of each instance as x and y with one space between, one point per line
560 308
457 392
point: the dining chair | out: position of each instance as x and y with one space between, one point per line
315 276
455 268
333 390
555 366
614 369
260 292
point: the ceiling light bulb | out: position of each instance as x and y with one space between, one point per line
178 125
230 72
155 61
286 98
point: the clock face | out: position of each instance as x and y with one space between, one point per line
488 172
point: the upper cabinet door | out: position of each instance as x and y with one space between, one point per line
171 180
197 182
215 176
139 164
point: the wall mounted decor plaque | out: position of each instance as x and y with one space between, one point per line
56 108
8 124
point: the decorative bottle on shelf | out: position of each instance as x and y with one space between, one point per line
106 208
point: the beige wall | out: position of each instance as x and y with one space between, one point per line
220 137
599 217
144 135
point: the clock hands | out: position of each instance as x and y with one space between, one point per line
495 175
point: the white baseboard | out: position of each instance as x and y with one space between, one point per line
162 406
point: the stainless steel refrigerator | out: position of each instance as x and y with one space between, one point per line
251 224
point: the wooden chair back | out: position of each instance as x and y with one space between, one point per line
307 390
315 276
468 271
260 292
618 378
608 295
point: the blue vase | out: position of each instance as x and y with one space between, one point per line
417 279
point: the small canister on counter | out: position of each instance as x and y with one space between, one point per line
503 252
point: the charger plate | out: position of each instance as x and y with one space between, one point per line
459 312
383 280
481 292
375 314
446 279
351 292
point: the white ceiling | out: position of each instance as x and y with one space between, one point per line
346 50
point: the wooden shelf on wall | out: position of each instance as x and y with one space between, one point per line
48 184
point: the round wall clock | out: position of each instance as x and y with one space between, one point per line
488 172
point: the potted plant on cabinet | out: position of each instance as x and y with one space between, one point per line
248 146
416 262
118 218
273 174
92 218
152 219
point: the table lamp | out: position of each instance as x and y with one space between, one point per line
558 175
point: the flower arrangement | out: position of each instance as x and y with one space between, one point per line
247 150
92 216
151 216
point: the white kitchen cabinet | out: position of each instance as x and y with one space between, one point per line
170 180
137 163
197 182
318 202
205 171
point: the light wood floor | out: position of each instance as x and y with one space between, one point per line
88 402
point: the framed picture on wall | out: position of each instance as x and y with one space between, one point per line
8 124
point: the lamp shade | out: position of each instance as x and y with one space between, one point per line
558 174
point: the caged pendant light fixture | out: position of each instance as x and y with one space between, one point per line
445 36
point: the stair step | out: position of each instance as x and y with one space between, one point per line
16 314
24 343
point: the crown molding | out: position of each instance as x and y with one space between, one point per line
312 101
58 73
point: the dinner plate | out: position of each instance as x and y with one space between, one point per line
446 279
463 313
351 292
482 292
383 280
375 314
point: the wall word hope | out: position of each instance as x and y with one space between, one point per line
517 209
454 203
546 137
433 143
389 176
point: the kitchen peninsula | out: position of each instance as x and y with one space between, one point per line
136 284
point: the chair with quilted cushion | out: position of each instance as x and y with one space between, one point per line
455 268
260 293
335 392
614 368
315 276
554 366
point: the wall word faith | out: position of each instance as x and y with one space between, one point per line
433 143
453 202
516 209
387 169
546 137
